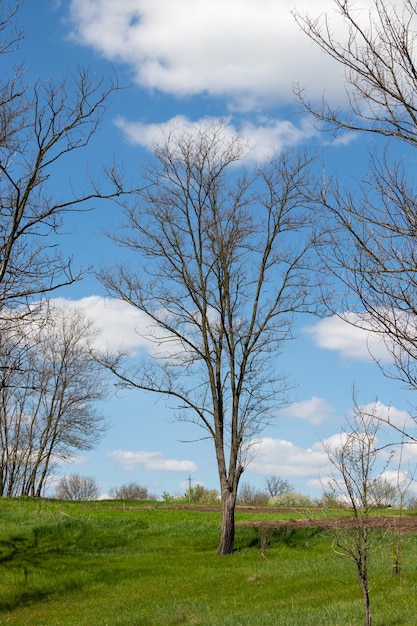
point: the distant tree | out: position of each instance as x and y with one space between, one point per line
76 487
250 495
131 491
49 385
403 482
277 486
223 262
383 493
411 502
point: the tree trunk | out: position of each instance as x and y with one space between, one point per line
227 535
366 601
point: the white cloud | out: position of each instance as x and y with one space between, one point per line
339 333
120 325
153 461
336 442
263 140
281 457
284 458
400 480
386 439
147 135
390 415
251 51
316 410
270 136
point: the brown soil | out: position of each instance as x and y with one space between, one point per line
407 523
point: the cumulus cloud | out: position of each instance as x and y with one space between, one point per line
154 461
264 139
149 135
339 333
284 458
398 418
385 439
251 51
315 411
337 441
400 479
120 326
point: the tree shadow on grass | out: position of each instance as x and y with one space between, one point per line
62 557
269 534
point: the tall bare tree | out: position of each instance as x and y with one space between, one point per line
41 124
372 228
222 265
49 388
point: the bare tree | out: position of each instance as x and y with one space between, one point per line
17 384
277 486
372 228
404 480
371 251
41 124
353 459
250 495
223 260
377 52
383 493
131 491
49 388
76 487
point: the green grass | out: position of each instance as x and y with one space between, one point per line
108 564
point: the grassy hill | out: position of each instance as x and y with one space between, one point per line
131 564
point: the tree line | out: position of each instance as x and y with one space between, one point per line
225 255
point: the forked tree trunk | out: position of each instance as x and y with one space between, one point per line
227 535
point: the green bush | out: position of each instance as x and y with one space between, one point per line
201 495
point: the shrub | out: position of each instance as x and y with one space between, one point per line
168 498
292 499
201 495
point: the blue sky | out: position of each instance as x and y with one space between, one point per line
188 60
